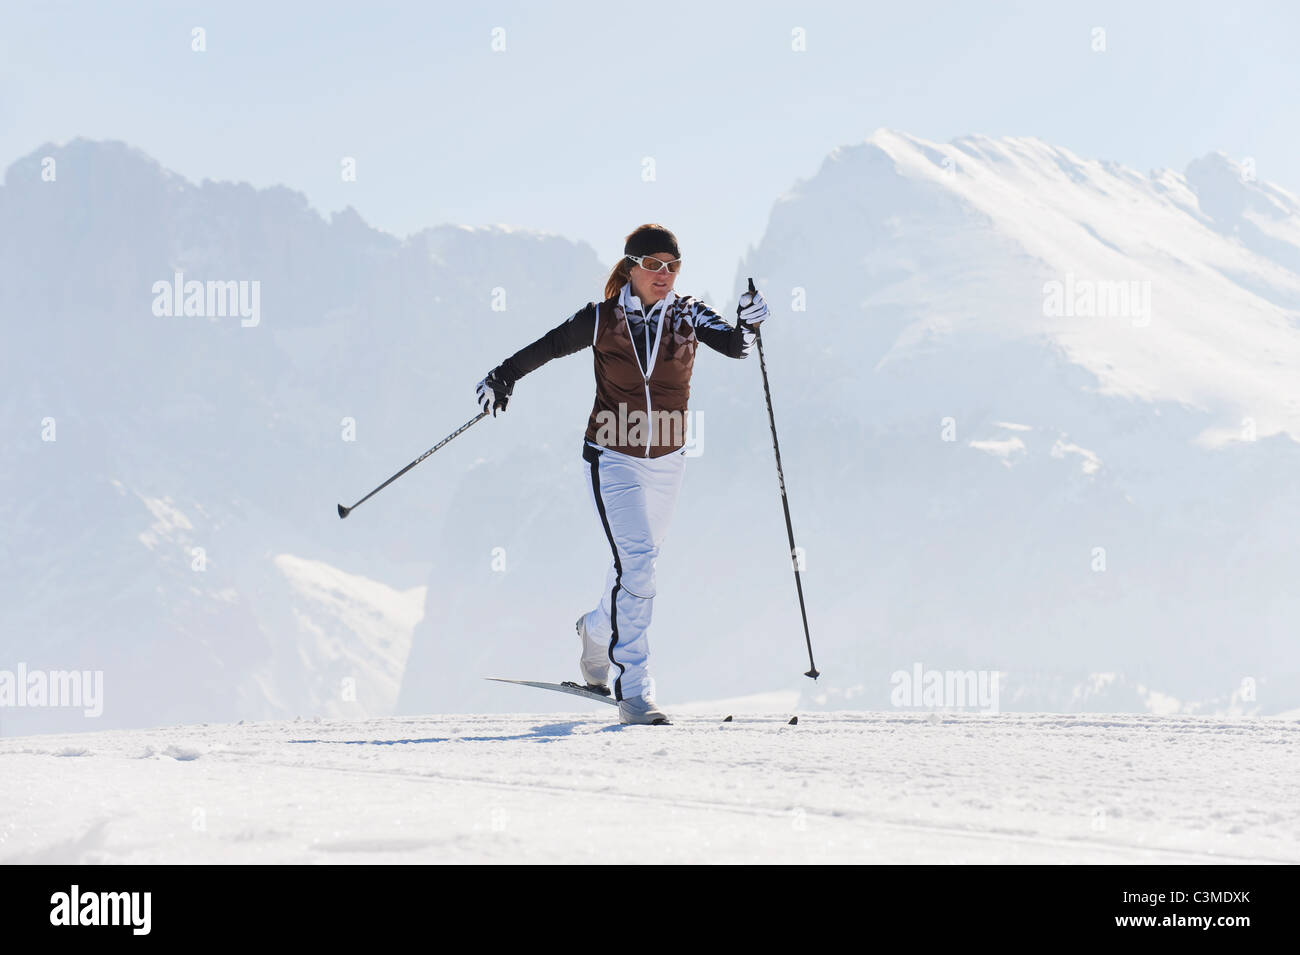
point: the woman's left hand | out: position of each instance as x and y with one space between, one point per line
754 311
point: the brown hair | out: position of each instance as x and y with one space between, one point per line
622 272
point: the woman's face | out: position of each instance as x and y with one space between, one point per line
650 287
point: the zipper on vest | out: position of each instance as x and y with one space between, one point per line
663 315
649 417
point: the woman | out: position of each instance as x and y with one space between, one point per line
643 336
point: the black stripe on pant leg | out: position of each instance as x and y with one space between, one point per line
592 456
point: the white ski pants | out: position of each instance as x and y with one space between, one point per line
634 498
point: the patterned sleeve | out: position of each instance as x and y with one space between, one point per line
572 335
711 328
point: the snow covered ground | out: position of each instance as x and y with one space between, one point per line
837 787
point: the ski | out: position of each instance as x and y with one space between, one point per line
566 687
577 689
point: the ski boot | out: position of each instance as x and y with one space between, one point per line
594 662
637 709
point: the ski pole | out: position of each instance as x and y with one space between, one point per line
345 511
780 477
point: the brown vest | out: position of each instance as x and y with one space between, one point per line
623 417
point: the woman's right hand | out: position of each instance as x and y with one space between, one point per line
493 393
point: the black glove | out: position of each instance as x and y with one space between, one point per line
494 392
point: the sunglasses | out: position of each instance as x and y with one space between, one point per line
651 264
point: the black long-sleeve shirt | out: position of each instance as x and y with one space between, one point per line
577 332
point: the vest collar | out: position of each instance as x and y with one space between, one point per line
632 305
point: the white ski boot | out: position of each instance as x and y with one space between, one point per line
637 709
594 662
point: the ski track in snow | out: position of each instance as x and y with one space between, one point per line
839 787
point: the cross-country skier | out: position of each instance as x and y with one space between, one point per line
643 337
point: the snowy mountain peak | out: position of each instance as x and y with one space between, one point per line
1130 276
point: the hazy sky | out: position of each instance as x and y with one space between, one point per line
551 133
